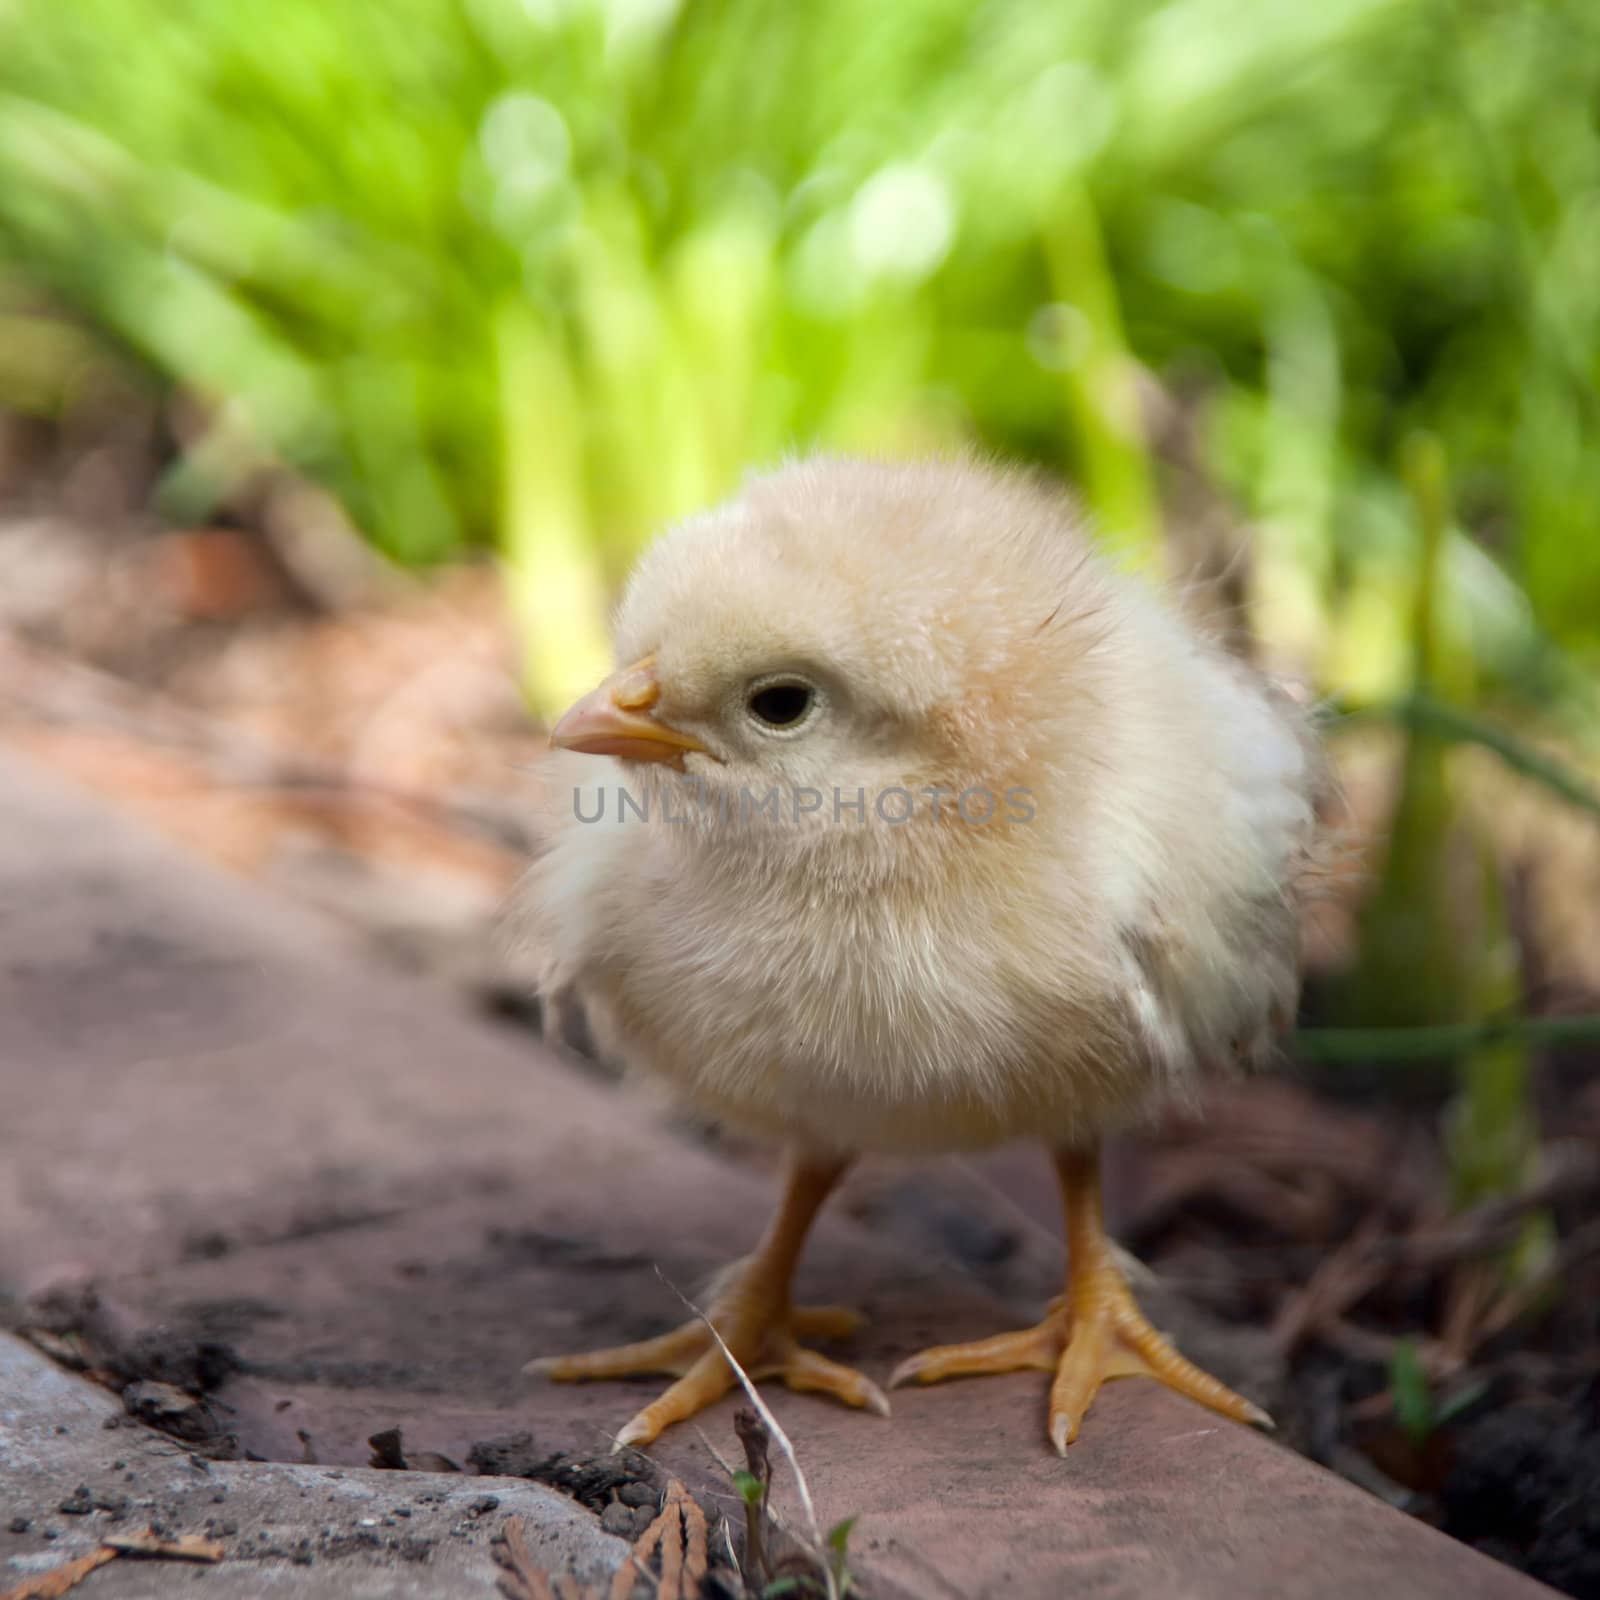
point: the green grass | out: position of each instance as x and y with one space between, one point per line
539 276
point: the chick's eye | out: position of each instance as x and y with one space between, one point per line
780 705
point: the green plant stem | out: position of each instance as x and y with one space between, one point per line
1413 967
1440 1043
1100 385
1463 727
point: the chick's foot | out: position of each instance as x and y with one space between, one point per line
764 1338
1103 1335
1092 1333
752 1317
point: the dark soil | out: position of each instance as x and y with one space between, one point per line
165 1375
625 1478
1416 1367
1523 1484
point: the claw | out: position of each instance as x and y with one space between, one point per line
764 1345
1091 1334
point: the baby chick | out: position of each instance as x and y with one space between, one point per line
951 834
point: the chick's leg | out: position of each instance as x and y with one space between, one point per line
752 1316
1093 1332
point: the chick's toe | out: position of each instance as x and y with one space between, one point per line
1092 1333
750 1322
761 1336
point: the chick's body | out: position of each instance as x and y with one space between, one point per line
1091 900
954 835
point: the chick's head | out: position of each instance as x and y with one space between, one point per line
846 627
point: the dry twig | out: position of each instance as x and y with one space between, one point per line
1342 1280
186 1547
520 1579
58 1580
815 1549
754 1439
678 1533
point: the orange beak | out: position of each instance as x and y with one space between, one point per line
616 720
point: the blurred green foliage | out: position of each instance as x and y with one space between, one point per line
541 274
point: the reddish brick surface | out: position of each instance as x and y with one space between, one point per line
242 1130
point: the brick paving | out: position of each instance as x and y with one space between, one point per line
243 1133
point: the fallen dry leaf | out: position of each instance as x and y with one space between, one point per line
47 1585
